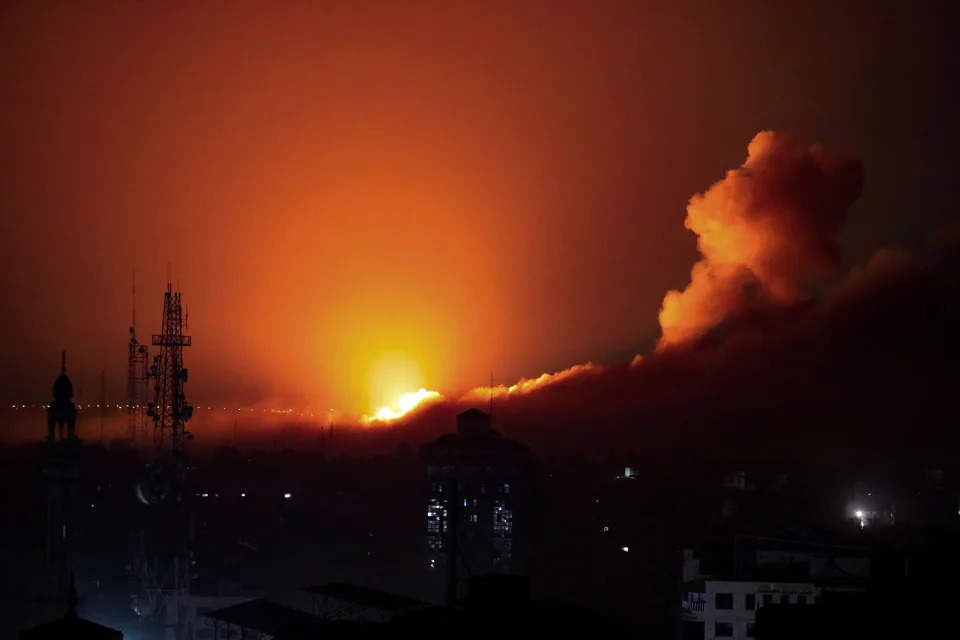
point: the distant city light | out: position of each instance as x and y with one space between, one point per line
625 549
606 529
205 495
243 495
287 496
859 514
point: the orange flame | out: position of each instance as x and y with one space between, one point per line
407 403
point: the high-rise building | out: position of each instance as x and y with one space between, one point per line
477 503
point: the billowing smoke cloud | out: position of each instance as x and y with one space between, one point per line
800 368
766 232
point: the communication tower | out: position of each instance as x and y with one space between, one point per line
170 411
164 554
137 378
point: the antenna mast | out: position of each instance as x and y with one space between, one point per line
170 411
137 377
491 397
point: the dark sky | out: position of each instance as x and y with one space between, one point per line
359 199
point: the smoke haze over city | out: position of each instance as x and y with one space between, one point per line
352 217
547 318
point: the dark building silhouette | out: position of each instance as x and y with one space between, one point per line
62 413
71 626
499 606
60 471
888 609
477 504
494 606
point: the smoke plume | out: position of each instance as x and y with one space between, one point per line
529 385
766 232
799 370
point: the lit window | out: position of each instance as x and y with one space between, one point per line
502 519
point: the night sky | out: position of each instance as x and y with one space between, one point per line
361 199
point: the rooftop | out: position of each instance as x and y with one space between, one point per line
364 596
264 616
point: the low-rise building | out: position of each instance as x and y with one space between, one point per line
728 608
722 601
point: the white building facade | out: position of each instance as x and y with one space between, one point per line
728 608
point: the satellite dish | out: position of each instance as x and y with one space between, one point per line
138 491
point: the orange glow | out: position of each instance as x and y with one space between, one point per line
391 376
407 403
354 209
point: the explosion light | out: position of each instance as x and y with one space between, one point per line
407 403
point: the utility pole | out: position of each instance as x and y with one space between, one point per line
103 401
452 548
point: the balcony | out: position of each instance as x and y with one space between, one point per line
692 606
